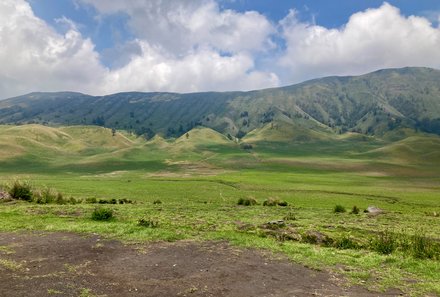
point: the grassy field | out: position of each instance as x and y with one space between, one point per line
190 188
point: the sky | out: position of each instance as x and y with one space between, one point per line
101 47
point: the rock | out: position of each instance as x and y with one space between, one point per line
284 234
272 225
316 237
4 195
373 210
244 226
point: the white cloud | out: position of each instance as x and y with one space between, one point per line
373 39
33 57
180 26
194 45
205 67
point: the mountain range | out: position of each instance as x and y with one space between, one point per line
377 104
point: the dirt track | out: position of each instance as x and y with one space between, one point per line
65 264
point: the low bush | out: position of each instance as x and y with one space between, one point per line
246 146
247 201
149 223
92 200
21 190
102 214
345 243
316 237
60 199
157 201
110 201
274 202
385 243
339 209
355 210
423 247
74 201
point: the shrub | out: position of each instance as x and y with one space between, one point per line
385 243
74 201
103 201
157 201
274 202
270 202
92 200
247 201
247 146
282 203
339 209
21 190
113 201
102 214
355 210
60 199
45 196
345 243
316 237
424 247
149 223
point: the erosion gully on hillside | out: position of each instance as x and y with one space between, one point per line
66 264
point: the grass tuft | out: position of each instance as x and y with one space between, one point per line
274 202
149 223
355 210
247 201
339 209
102 214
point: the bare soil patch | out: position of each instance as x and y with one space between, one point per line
66 264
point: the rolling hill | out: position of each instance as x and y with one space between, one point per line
376 104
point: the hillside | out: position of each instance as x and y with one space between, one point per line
374 104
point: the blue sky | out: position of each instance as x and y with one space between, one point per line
100 46
113 29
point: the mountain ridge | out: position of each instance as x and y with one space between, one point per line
373 103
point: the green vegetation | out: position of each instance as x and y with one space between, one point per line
199 183
373 104
20 190
149 223
355 210
274 202
102 214
339 208
247 201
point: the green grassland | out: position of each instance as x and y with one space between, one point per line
199 178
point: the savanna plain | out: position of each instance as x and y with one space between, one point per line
360 208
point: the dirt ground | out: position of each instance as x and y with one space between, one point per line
66 264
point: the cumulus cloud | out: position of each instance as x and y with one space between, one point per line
194 45
33 57
181 46
181 26
372 39
205 67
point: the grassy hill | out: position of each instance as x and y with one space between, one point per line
282 144
378 104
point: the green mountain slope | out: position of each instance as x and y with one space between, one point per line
375 104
